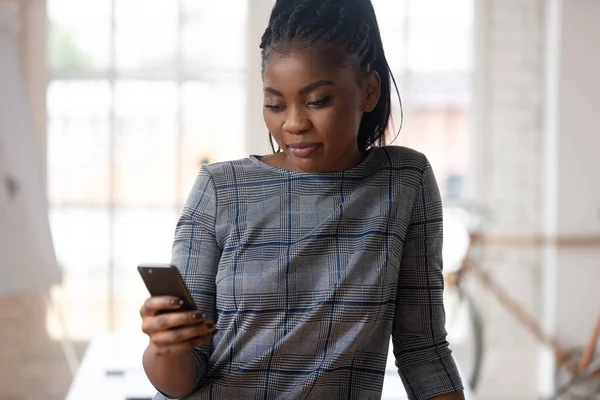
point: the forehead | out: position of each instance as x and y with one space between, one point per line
298 67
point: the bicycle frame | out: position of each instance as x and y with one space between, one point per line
563 357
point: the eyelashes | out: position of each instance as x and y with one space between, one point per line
320 103
275 108
313 104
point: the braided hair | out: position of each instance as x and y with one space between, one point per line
351 28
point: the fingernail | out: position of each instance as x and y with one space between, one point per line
176 302
197 316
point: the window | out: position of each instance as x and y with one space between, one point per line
429 47
139 94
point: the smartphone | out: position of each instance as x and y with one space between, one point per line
165 280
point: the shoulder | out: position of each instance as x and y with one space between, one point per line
402 157
223 170
218 168
408 169
226 175
216 182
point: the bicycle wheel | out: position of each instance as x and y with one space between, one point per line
570 387
465 333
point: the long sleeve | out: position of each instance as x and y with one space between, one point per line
196 253
423 358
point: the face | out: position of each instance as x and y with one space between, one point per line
314 111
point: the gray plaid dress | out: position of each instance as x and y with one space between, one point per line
308 275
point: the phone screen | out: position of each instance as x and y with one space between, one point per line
165 280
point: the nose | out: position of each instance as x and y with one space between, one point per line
296 121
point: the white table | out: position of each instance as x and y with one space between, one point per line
112 369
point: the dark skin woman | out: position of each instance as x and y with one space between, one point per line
305 263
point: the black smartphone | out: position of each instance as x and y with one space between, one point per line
165 280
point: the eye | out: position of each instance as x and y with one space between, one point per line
320 103
275 108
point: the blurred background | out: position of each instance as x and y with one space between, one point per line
111 107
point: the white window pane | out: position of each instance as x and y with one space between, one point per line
457 13
81 240
391 16
146 142
214 126
81 236
79 99
451 90
395 47
141 235
434 48
78 161
442 134
78 142
214 35
390 10
146 34
440 35
79 34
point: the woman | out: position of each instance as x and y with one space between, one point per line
309 259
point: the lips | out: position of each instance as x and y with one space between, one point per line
304 150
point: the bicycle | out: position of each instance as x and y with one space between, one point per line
582 381
579 369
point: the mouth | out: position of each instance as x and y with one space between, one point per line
304 150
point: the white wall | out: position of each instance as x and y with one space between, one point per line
571 202
537 161
31 24
33 366
23 212
575 116
578 119
507 155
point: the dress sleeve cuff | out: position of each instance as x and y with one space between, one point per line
432 379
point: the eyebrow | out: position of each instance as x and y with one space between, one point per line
304 90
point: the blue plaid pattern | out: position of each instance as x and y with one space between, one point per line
308 276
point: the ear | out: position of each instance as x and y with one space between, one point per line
372 90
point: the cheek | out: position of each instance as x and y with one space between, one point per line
341 122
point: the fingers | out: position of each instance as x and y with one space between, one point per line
174 332
170 321
153 305
182 347
183 339
199 332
